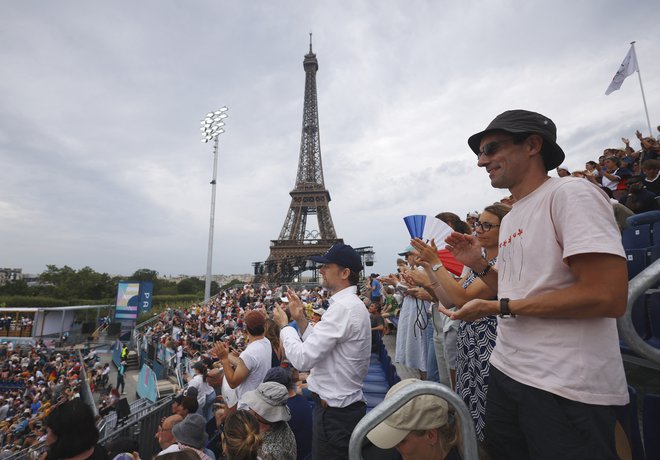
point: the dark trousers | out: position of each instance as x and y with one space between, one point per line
332 428
121 382
524 422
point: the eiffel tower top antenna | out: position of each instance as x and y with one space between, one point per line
310 43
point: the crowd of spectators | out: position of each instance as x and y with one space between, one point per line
240 320
628 176
33 381
191 332
269 415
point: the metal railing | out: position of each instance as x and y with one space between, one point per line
469 447
142 426
139 406
637 286
32 453
177 370
147 322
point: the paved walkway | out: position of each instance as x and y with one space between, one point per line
404 372
130 377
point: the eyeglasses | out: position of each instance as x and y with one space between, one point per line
485 226
492 147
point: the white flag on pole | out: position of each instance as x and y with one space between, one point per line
627 68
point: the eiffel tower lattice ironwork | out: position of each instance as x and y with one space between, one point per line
290 251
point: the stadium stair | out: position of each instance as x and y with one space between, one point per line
380 377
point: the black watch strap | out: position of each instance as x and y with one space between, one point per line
505 311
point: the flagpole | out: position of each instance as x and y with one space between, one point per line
639 74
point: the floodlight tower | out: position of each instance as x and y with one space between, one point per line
211 129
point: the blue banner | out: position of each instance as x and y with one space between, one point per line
146 295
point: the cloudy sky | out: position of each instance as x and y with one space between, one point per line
101 163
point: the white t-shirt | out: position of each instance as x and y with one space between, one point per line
609 183
257 358
578 359
229 394
203 389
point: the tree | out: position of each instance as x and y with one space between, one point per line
145 274
185 286
67 283
18 287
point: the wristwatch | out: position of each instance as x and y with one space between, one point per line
436 267
505 311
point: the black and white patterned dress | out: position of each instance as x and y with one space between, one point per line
475 342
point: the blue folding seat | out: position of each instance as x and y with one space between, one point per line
640 314
375 374
651 422
636 261
380 387
653 252
654 321
637 237
374 399
655 232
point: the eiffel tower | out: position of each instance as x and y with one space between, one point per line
290 252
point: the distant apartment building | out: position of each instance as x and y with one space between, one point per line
9 275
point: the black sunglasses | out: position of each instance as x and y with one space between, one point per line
493 147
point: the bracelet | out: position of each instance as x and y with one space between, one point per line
483 272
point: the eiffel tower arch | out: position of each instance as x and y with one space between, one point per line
290 252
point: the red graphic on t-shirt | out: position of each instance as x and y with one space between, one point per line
514 251
508 239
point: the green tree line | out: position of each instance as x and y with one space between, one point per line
60 286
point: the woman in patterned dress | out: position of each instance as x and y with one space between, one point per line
475 339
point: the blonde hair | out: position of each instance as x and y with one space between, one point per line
242 440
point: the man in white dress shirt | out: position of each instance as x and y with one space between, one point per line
336 350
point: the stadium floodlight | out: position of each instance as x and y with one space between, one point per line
211 128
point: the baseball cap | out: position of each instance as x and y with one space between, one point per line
405 252
342 255
523 121
319 311
423 412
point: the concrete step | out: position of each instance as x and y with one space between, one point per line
132 360
166 387
172 379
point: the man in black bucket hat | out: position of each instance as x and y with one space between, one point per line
523 123
556 370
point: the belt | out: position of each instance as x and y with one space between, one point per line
324 404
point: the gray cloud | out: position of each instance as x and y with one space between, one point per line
99 140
